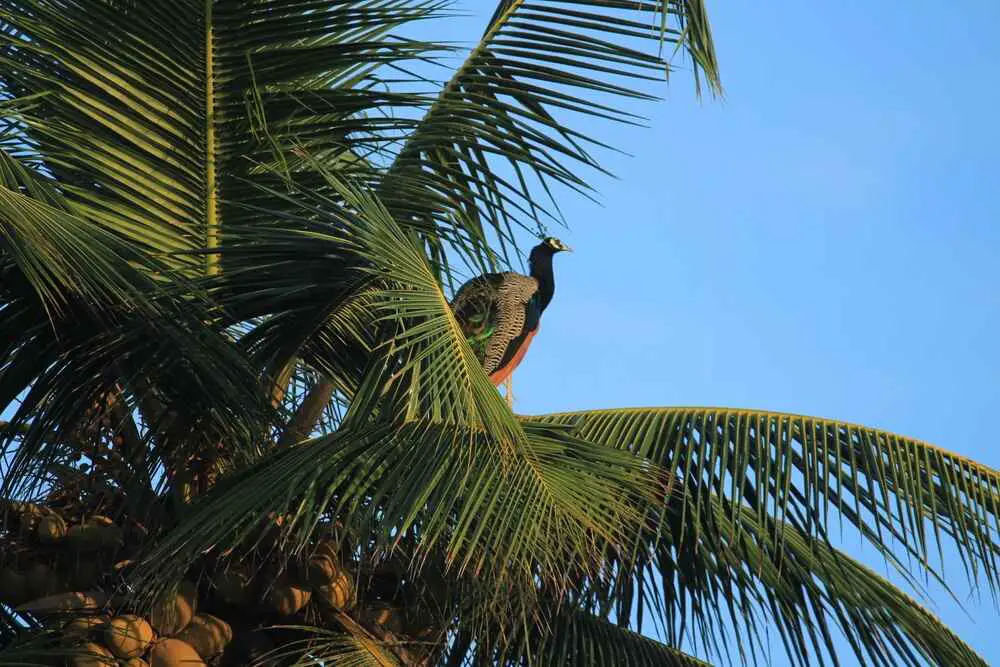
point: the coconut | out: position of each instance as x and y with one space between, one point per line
41 581
85 626
327 549
51 528
339 593
128 636
136 662
173 610
322 570
234 585
390 618
208 635
174 653
28 516
287 598
96 656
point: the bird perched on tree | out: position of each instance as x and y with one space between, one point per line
499 312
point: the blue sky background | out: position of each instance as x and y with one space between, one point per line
824 241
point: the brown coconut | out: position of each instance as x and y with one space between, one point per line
174 653
234 586
390 618
28 516
128 636
339 593
174 609
13 587
286 597
208 635
96 656
42 581
51 528
322 570
327 549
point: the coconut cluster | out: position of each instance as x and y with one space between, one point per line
68 573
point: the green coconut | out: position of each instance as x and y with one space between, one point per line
128 636
13 587
51 529
208 634
174 609
172 652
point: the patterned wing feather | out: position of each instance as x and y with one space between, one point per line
491 310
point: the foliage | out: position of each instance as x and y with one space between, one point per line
234 382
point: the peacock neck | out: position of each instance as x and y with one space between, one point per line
540 263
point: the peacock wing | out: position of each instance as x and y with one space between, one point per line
490 309
516 290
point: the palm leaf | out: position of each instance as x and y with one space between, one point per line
495 142
81 313
778 477
149 115
573 637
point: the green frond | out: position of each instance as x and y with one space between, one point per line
84 313
497 139
149 115
575 637
741 537
885 485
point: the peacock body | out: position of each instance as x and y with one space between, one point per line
500 312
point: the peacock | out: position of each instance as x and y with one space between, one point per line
500 312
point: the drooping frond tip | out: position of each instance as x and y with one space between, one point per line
696 40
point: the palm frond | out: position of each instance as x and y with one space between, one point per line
749 481
884 484
149 115
574 637
495 142
83 312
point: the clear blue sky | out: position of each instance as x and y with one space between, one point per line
825 241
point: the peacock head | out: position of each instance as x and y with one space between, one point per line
554 245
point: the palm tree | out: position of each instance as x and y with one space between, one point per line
241 414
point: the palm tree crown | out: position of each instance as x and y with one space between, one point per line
243 420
